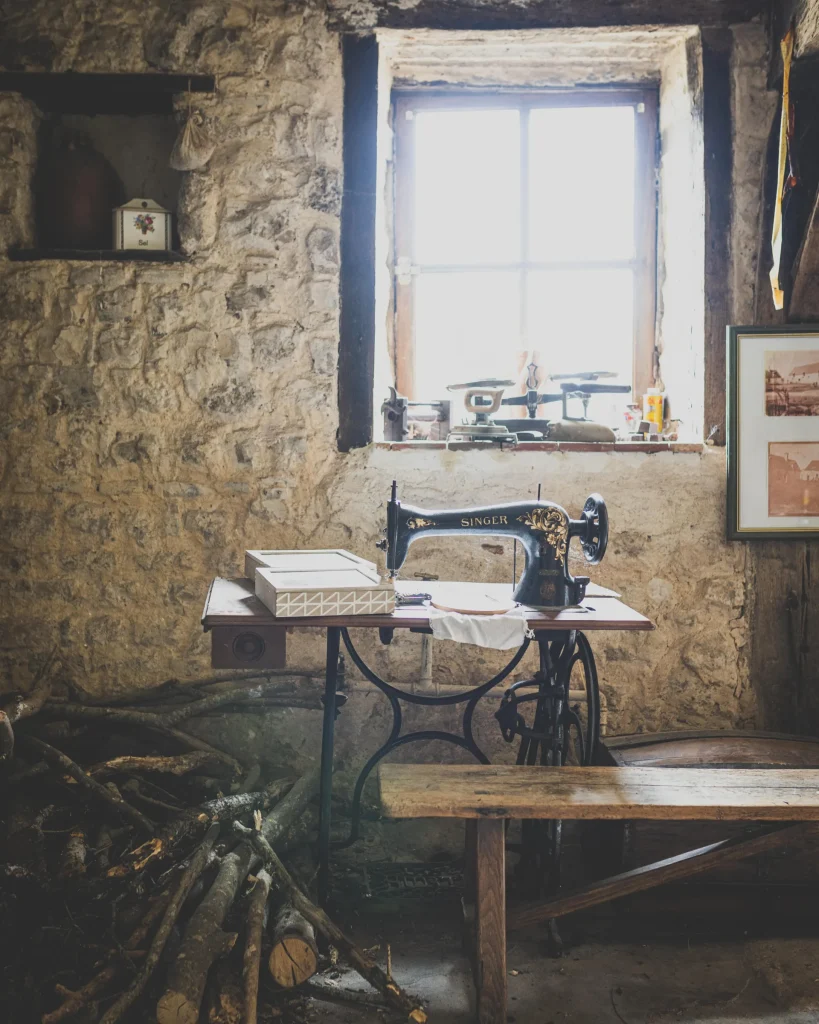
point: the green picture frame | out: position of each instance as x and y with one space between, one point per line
765 432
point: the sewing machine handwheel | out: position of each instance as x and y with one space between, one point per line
596 517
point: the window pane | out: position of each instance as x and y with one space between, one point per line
466 326
581 321
467 186
581 180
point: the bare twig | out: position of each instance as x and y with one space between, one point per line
102 793
182 688
73 1002
28 704
195 743
179 764
617 1013
168 719
332 993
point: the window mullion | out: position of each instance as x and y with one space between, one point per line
524 227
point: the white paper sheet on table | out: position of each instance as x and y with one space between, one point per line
500 632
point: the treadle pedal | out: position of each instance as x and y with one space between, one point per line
386 882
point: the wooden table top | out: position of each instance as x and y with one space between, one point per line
667 794
234 603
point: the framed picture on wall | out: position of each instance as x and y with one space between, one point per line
773 432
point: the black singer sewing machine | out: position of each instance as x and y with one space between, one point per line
543 528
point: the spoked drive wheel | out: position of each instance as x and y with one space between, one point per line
557 717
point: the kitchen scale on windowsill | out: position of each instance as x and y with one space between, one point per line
482 398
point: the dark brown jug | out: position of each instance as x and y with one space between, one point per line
77 191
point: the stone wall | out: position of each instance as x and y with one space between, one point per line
157 420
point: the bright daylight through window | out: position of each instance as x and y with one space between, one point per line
525 232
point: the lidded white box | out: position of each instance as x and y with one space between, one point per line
142 224
324 593
315 560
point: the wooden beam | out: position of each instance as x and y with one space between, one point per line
356 356
73 93
717 139
801 223
479 15
672 869
764 312
804 300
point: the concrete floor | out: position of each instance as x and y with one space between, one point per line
692 979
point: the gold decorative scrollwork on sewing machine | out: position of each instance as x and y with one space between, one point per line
554 525
417 523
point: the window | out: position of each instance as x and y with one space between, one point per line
525 231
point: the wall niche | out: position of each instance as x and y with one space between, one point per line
103 140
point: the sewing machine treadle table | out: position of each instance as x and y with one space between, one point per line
562 646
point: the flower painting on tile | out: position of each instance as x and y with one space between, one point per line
144 222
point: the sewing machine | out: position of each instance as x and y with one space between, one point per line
543 528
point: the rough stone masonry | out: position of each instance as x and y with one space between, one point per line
158 420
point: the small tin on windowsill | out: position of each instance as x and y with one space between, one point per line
142 224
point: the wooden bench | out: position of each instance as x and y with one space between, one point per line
486 795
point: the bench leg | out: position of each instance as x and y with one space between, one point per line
490 920
469 898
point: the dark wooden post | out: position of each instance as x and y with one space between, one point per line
717 138
490 920
356 355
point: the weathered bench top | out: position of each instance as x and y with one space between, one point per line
516 791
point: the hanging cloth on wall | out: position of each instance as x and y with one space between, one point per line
786 173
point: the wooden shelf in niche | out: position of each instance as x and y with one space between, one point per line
129 120
98 255
72 92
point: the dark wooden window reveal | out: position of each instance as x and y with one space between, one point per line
525 223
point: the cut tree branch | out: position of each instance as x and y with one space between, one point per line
223 808
369 970
102 793
181 688
194 869
204 941
179 764
256 917
75 1001
168 719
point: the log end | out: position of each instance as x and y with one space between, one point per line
176 1008
293 960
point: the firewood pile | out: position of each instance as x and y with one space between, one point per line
146 874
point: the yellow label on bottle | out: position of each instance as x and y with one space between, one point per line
653 410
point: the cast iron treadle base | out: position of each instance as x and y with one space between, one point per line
396 696
548 741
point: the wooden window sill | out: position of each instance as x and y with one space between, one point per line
643 447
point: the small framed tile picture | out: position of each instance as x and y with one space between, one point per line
773 432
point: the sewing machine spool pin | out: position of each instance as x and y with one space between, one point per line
543 528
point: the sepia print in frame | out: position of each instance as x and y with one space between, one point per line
773 432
